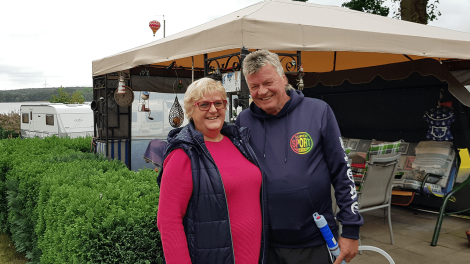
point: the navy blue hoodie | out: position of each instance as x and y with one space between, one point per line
300 150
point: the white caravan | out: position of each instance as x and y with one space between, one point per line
62 120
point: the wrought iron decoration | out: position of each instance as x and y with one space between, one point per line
235 66
98 82
290 65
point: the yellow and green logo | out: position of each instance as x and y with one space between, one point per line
301 143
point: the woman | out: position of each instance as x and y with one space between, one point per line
209 209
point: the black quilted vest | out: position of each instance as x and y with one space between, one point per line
207 223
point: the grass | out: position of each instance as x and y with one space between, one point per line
8 254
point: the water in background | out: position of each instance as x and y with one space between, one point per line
6 108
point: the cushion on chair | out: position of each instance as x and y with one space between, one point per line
379 148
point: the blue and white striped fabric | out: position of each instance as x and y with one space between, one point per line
117 149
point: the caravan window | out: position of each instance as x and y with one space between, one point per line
25 118
50 120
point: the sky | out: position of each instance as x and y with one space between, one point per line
52 43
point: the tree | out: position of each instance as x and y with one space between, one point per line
10 125
88 93
65 98
368 6
418 11
77 97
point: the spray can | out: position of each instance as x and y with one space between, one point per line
321 223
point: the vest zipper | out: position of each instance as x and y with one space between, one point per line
226 202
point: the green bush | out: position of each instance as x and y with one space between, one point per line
4 227
22 164
7 134
23 186
10 125
88 215
15 153
65 206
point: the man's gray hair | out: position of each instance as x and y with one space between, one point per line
257 59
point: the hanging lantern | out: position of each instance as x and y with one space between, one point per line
180 85
176 116
122 83
155 26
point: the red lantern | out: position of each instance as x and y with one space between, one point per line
155 26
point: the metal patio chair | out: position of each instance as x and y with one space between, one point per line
376 191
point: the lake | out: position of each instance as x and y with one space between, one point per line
6 108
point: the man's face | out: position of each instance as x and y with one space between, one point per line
268 89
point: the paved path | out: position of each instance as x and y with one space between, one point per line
412 232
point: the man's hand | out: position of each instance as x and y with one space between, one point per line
349 248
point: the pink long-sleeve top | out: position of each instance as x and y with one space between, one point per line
242 183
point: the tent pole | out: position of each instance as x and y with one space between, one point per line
408 57
299 60
334 63
192 69
205 65
244 96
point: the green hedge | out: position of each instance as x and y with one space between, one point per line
7 134
4 227
65 206
17 153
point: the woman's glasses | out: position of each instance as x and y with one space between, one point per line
205 105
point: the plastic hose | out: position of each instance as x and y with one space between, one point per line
378 250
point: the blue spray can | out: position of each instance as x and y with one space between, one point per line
321 223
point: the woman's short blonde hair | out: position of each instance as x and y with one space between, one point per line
198 89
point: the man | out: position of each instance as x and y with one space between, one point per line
299 146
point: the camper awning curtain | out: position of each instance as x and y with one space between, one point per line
389 72
360 39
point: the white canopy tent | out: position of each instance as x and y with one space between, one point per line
334 44
329 37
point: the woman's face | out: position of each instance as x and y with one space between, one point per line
209 122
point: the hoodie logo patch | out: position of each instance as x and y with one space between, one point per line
301 143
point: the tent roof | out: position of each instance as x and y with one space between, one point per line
281 25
